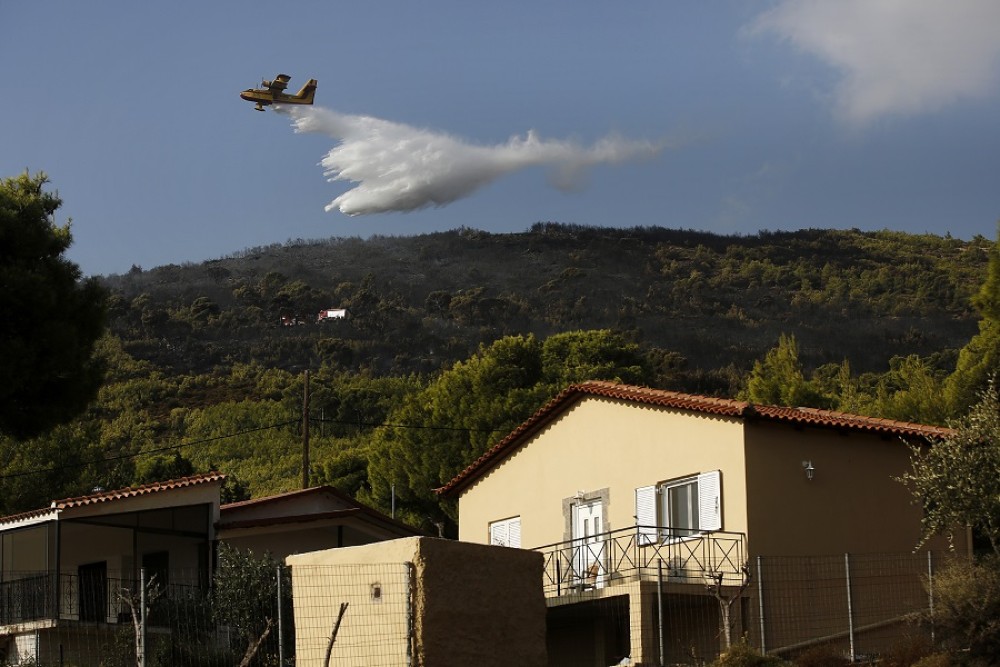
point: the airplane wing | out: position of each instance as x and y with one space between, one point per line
278 85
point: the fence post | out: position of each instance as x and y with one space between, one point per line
281 623
760 603
850 605
930 589
659 603
141 648
411 632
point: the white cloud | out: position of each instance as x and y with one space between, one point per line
896 57
401 168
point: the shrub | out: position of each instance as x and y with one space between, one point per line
821 656
741 654
967 609
937 660
908 652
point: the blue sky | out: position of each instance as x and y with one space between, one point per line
727 116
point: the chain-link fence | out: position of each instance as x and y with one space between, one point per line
354 615
851 605
856 605
91 620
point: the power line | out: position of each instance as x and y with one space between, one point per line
177 446
157 450
407 426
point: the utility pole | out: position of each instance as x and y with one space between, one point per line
305 434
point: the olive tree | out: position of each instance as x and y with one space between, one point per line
957 480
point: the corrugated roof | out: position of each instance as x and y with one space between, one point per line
691 402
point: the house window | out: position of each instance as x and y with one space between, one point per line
679 507
506 533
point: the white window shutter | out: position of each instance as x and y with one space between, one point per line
514 533
709 501
645 514
506 533
499 534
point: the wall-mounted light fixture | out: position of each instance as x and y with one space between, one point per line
810 470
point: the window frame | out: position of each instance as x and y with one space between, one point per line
652 507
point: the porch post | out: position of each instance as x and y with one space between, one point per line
659 606
141 639
281 621
57 585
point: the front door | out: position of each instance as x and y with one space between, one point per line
93 582
589 543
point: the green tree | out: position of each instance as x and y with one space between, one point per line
577 356
957 481
779 380
51 319
910 391
245 598
161 467
439 431
979 360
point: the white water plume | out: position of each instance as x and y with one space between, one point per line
397 167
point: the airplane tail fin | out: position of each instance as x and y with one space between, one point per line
308 92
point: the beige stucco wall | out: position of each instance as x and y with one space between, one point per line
853 504
601 443
472 604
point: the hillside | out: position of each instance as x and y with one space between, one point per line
202 374
420 303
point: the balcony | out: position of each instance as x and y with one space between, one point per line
643 553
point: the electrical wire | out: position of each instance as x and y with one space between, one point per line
405 426
157 450
178 446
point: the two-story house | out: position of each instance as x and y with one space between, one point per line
634 492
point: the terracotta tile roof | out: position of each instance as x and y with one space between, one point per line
843 420
227 511
692 402
225 524
135 491
290 495
22 516
108 496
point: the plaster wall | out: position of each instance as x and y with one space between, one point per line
854 503
608 446
468 604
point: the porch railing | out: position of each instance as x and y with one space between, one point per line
32 597
643 552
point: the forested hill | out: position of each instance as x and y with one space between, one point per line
712 304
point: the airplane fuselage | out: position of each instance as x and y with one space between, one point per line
266 96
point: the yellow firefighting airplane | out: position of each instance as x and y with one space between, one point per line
273 92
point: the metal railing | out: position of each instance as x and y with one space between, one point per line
589 563
32 597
